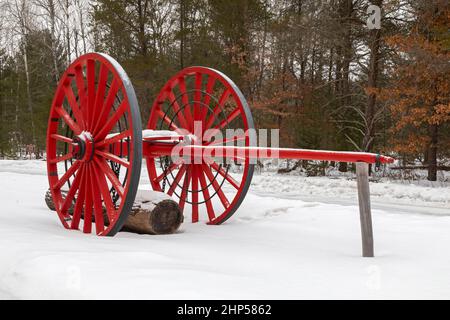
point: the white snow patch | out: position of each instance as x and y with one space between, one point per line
273 248
345 188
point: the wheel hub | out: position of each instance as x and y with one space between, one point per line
83 147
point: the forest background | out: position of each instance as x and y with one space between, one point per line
327 73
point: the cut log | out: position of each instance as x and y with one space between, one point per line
152 213
49 200
51 205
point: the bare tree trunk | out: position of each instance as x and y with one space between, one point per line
262 57
17 110
23 16
182 35
369 114
330 69
344 56
142 13
29 99
432 152
52 14
75 39
67 28
82 28
313 63
49 7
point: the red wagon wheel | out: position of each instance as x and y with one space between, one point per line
94 145
213 190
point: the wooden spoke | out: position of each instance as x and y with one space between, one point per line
194 193
216 186
87 225
106 195
198 97
225 174
218 108
74 106
67 175
106 108
68 120
113 120
62 158
111 176
79 78
233 115
100 96
113 157
113 139
78 204
206 197
187 181
91 92
61 138
176 109
186 104
176 181
207 97
166 119
172 167
71 194
98 208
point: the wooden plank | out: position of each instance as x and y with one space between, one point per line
362 176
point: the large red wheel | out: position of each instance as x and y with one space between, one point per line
212 190
94 111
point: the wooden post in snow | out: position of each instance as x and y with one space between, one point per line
362 176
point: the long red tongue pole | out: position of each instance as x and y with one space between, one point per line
233 152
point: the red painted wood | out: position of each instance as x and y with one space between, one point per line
267 153
106 195
98 208
206 196
176 181
195 193
78 204
87 224
216 186
184 191
82 108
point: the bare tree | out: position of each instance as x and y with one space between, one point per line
21 11
66 8
50 15
80 8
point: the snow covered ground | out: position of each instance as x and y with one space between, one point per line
293 238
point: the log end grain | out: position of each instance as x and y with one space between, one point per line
162 217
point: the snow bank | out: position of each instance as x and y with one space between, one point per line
344 188
273 248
